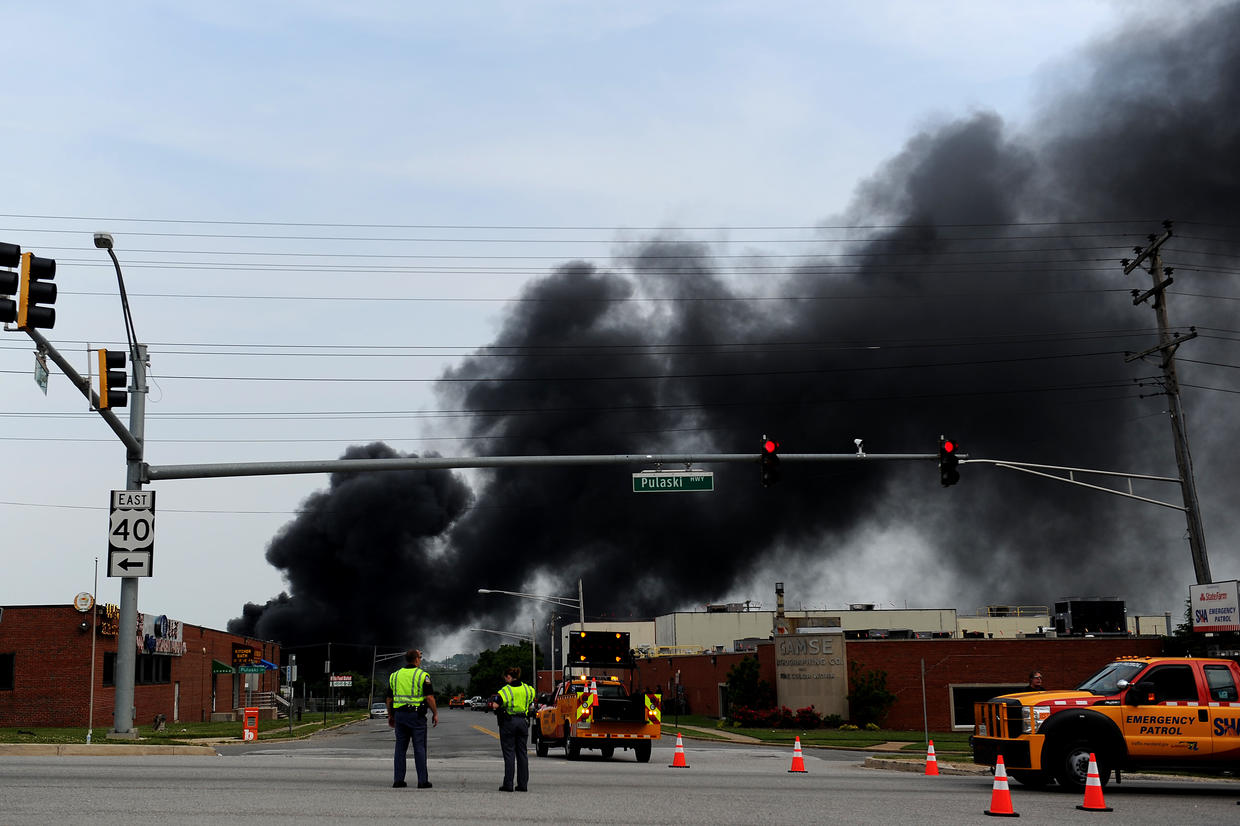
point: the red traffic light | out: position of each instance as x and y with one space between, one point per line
949 446
770 446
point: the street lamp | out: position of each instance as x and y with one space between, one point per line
566 602
533 648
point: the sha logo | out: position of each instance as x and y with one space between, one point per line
1200 616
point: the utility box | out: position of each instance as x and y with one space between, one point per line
249 724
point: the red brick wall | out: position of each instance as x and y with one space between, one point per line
52 672
700 675
1064 663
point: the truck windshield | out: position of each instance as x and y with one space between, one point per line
1107 680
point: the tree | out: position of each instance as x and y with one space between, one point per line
868 697
486 676
747 688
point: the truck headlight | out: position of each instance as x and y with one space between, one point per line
1032 717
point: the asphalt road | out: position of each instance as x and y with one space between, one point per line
345 776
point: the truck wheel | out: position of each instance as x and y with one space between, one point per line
540 747
1031 779
608 751
1072 765
642 750
572 747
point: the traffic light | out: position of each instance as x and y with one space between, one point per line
948 474
112 379
769 461
36 289
10 256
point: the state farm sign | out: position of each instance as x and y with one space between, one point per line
1216 606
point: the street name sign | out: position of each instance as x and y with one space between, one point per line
674 481
131 533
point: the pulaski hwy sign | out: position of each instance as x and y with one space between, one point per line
673 481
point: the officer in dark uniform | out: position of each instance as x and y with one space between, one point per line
409 695
512 708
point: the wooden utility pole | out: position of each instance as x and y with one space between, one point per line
1167 345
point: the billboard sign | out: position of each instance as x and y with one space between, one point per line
1215 606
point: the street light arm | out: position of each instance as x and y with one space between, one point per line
566 602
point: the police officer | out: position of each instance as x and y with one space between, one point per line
512 707
409 694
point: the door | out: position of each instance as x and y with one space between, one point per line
1164 716
1224 710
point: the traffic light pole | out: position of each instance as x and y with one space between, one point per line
127 629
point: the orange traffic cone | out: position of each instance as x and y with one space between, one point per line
798 762
932 762
678 761
1000 796
1093 790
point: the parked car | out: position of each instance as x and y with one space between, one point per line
477 704
378 710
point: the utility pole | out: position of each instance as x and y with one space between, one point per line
1168 343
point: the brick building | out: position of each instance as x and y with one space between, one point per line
184 672
957 672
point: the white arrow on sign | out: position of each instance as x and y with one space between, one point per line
136 563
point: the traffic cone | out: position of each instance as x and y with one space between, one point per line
1000 796
1093 790
798 762
932 762
678 760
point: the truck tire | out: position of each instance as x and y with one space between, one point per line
1071 765
540 747
608 751
642 750
572 746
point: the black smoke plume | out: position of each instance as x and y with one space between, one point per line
973 289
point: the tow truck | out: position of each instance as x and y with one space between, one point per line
596 705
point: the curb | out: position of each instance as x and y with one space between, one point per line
97 750
919 767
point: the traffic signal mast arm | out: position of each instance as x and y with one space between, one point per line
154 473
134 446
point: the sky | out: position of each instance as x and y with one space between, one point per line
547 228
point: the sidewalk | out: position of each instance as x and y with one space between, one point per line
97 749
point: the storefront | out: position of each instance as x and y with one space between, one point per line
58 667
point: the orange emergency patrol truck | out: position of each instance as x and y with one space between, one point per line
1137 712
596 706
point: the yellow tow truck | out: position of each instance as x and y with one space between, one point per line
596 705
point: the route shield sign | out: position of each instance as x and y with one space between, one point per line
131 533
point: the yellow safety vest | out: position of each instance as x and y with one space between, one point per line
407 685
515 705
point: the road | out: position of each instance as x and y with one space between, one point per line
345 776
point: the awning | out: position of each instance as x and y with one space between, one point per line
270 665
218 667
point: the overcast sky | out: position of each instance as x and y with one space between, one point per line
319 207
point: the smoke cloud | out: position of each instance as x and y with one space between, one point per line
973 289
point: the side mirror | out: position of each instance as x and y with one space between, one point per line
1141 694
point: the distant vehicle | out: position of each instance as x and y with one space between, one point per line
457 702
477 703
378 710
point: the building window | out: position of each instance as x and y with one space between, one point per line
6 671
109 668
152 669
